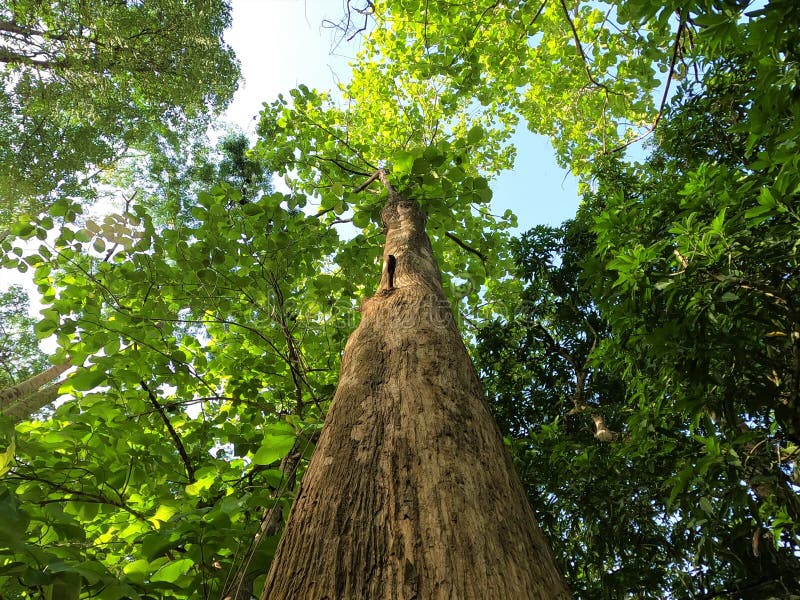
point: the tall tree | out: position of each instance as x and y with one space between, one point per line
683 264
207 347
410 492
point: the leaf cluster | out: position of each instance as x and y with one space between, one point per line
682 271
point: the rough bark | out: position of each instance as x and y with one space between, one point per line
29 405
11 397
241 586
411 493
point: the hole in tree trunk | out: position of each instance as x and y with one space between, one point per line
391 264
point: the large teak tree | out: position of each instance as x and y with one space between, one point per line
411 492
206 349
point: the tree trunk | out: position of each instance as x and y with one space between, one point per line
29 405
10 397
411 493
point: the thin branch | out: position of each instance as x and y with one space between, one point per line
366 11
535 18
384 177
342 166
173 434
467 247
337 137
365 185
579 48
673 61
80 495
676 48
14 58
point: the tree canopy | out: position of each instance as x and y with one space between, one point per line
83 83
642 359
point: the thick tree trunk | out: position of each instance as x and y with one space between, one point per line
411 493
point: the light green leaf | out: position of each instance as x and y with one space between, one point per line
278 440
171 572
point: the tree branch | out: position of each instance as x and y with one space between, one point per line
14 58
467 247
23 409
584 58
365 185
9 397
173 434
673 62
82 496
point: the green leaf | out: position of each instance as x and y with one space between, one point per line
205 479
46 327
421 166
361 219
83 235
87 379
65 587
278 440
171 572
137 570
475 134
402 162
7 443
706 506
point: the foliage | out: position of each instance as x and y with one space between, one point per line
20 356
84 82
167 183
683 270
184 404
669 507
646 375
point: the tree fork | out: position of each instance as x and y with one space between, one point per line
410 492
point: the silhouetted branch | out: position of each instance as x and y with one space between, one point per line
173 434
467 247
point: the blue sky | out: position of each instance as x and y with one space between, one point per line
282 43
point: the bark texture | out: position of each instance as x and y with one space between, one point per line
12 399
411 493
29 405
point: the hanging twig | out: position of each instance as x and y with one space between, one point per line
673 62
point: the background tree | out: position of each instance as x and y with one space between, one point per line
84 83
687 262
20 356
